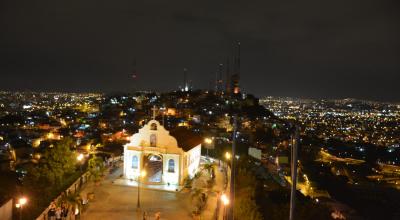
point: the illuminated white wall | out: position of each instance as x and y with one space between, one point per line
130 172
163 138
193 157
169 177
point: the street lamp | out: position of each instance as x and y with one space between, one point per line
228 155
224 198
208 141
141 175
80 158
21 202
225 202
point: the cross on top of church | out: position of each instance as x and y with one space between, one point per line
154 112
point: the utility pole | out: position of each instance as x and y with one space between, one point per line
228 76
233 168
138 194
295 146
185 83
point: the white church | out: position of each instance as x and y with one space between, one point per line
166 158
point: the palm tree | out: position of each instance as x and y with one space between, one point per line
209 167
196 193
188 182
199 200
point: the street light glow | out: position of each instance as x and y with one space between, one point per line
208 140
143 173
225 199
23 201
79 157
228 155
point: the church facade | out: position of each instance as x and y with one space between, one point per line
166 158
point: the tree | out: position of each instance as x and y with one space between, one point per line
45 180
187 182
56 163
246 207
60 160
96 167
209 167
199 200
245 203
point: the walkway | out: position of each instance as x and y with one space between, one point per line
213 198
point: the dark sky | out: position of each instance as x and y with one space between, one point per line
308 48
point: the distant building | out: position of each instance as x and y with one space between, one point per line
256 153
283 163
166 158
235 83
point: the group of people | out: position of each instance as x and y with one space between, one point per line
58 213
157 216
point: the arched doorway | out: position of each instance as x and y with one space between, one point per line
153 165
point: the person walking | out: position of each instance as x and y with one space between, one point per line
52 212
58 213
64 212
157 216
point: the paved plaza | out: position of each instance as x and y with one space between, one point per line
117 201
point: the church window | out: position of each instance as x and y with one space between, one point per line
153 140
171 166
153 126
135 162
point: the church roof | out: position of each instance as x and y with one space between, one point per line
186 138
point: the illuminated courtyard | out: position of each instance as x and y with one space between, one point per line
119 202
116 198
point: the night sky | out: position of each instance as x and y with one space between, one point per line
308 48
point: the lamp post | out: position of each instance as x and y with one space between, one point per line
295 146
224 197
80 158
21 202
228 156
141 175
208 141
233 169
225 202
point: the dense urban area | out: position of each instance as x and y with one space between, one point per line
349 155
